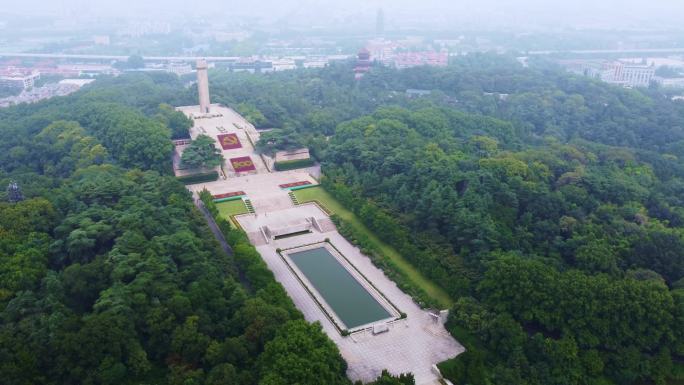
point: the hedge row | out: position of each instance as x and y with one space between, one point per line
199 178
293 164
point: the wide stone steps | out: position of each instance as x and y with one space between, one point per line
293 197
326 225
256 238
248 204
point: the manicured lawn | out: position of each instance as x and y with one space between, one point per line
230 208
324 198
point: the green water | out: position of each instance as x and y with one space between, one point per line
349 300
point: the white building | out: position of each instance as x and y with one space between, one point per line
21 80
637 75
179 68
670 82
625 74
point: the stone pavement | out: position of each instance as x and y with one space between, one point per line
413 344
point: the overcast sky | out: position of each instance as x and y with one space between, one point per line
466 13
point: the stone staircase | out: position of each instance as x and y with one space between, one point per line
326 225
248 204
293 197
256 238
267 204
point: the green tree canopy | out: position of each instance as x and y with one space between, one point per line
285 139
202 152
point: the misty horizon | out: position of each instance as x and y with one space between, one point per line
399 14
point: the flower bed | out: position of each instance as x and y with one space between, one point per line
229 141
242 164
295 184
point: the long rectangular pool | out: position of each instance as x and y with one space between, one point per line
350 301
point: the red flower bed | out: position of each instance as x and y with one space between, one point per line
228 195
229 141
295 184
242 164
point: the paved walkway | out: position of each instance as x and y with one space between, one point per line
214 227
413 344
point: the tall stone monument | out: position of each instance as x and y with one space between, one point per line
203 86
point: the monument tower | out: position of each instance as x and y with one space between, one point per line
203 86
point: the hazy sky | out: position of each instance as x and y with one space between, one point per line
468 13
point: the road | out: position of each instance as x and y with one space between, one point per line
214 227
594 51
235 58
117 57
221 239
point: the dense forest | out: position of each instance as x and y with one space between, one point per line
110 275
549 206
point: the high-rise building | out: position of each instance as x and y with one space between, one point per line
203 86
380 22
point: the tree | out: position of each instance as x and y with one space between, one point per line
388 379
285 139
301 354
175 120
133 62
202 152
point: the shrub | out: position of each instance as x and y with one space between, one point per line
208 200
293 164
198 178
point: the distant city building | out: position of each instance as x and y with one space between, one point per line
284 64
425 58
636 75
670 82
397 54
179 68
253 66
382 50
77 70
35 94
315 63
615 72
18 78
